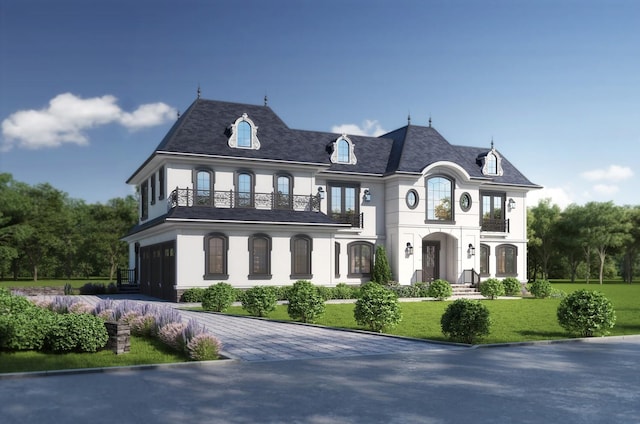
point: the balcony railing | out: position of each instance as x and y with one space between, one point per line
354 219
495 225
186 197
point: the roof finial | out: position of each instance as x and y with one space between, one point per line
178 114
429 120
409 119
266 100
491 142
199 91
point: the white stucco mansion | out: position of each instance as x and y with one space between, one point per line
233 194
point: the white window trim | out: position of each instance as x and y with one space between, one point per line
485 167
233 139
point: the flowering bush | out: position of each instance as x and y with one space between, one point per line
172 335
142 325
203 347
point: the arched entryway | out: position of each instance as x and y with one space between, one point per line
439 257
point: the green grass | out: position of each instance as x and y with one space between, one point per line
514 320
144 351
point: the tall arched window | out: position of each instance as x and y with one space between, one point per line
244 190
491 164
283 192
343 151
484 259
360 259
301 247
216 247
506 260
203 187
260 256
439 195
244 134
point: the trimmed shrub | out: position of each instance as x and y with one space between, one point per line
259 301
305 303
218 297
540 289
491 288
26 329
193 295
325 292
512 286
76 333
377 308
203 347
586 313
439 289
381 270
344 291
466 321
423 288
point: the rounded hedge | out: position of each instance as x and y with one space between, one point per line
259 301
439 289
540 289
218 297
466 321
377 308
492 288
77 333
586 313
512 286
305 302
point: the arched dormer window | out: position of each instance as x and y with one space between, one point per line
491 162
343 151
244 134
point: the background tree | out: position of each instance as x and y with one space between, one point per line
632 246
543 227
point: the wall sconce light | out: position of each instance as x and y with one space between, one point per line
512 204
367 195
471 251
409 249
321 192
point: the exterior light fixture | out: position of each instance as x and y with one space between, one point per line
321 192
471 251
409 249
367 195
512 204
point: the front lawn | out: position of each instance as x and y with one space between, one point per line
514 320
144 351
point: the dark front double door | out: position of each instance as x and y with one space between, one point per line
430 260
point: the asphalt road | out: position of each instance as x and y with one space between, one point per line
594 381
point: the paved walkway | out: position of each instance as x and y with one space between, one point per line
254 339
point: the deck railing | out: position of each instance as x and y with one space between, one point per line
127 277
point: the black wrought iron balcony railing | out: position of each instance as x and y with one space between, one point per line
354 219
186 197
495 225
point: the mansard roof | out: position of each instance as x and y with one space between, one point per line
204 129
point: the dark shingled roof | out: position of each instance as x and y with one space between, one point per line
241 215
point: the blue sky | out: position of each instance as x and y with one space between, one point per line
88 89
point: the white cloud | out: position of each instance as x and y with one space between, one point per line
369 128
558 196
68 117
613 173
606 189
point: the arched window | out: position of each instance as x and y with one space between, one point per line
491 165
439 195
216 248
203 187
283 192
343 151
485 251
260 256
244 134
360 259
506 260
244 190
301 247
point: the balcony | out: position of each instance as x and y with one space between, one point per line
186 197
495 225
354 219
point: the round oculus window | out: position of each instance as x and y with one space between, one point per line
412 199
465 201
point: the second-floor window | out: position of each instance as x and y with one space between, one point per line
144 200
492 212
343 203
439 195
244 190
203 187
283 196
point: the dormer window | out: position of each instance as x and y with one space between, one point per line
491 162
343 151
244 134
